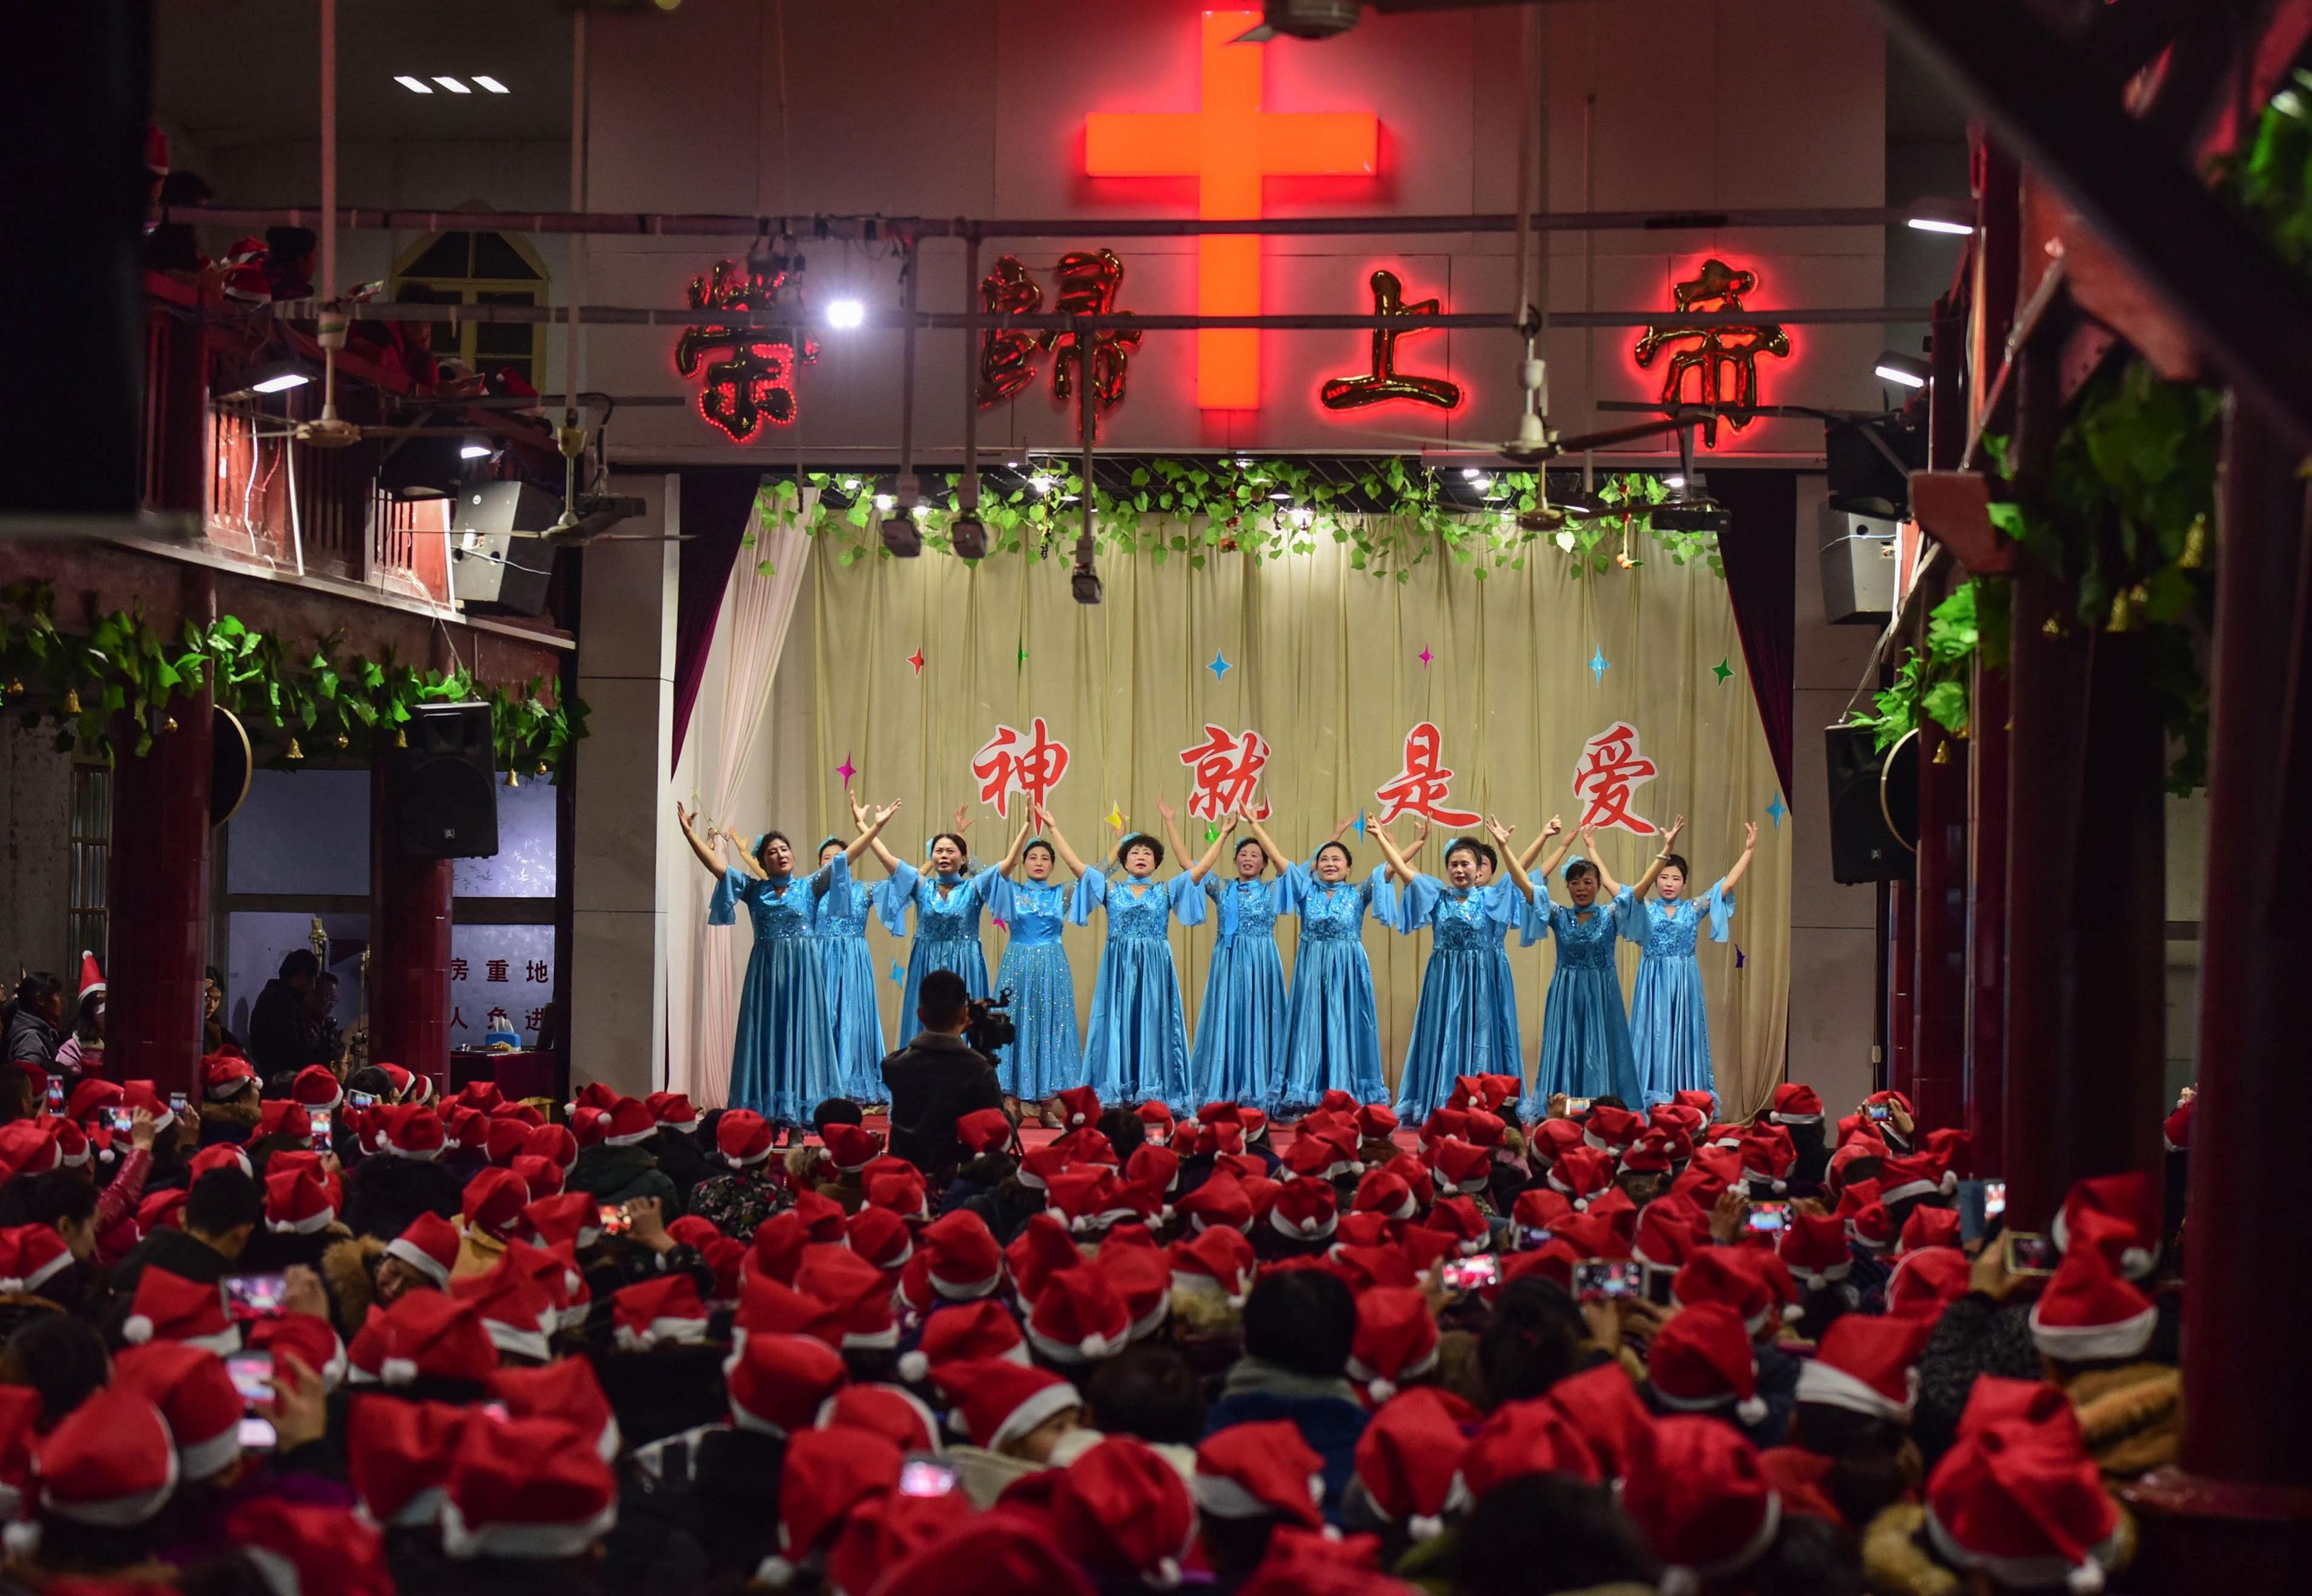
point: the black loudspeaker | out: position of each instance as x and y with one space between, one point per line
493 569
444 785
1864 846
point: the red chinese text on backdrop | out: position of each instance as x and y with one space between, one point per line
1610 768
1423 785
1029 763
1227 767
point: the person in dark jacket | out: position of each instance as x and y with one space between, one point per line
283 1034
679 1159
936 1079
1297 1328
221 1210
35 1019
383 1194
617 1175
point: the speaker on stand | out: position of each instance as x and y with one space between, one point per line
1874 805
444 785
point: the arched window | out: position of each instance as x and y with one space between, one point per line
479 268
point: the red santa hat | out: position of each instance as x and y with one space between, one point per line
777 1382
2016 1504
519 1489
983 1131
1539 1209
965 1333
2129 1205
1611 1129
767 1308
1384 1193
1304 1211
1702 1359
1156 1122
1868 1225
1996 1402
1520 1438
1814 1248
1260 1471
1079 1316
28 1147
663 1312
1926 1282
1767 1155
110 1463
1078 1106
1122 1511
226 1075
899 1191
1139 1276
518 1311
554 1142
429 1245
297 1204
306 1548
308 1338
1580 1173
961 1258
822 1216
399 1456
1866 1364
1041 1249
567 1392
429 1335
1219 1263
1464 1166
851 1148
1375 1122
1929 1227
30 1256
1721 1278
1220 1201
1916 1176
890 1413
1605 1411
1669 1233
859 1293
1706 1504
629 1124
2090 1312
594 1094
997 1400
1409 1454
171 1308
1395 1340
672 1110
92 978
406 1130
2176 1130
1795 1103
316 1087
493 1201
1460 1218
195 1394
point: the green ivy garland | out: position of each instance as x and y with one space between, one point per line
123 665
1392 516
1934 685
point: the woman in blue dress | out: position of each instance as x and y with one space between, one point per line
1332 1030
1669 1022
853 1019
947 904
783 1056
1466 1022
1239 1056
1137 1045
1048 1054
1585 1032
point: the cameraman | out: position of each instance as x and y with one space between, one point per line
937 1079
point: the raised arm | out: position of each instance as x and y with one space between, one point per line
1268 844
1197 872
1172 832
1557 859
708 854
1645 883
1398 865
883 855
1533 849
1590 852
740 854
869 838
1420 841
1501 835
1749 846
1059 842
1011 860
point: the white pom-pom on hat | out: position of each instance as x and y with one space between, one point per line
1421 1527
914 1365
397 1370
1750 1409
136 1330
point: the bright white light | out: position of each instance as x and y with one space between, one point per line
1482 483
1281 498
921 512
1040 483
1243 462
491 84
451 84
280 384
1907 379
850 485
885 502
1672 481
1304 517
1470 473
416 85
1937 225
847 314
474 451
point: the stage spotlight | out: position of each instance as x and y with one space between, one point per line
1084 582
474 451
844 314
969 537
1955 216
1040 483
885 503
1908 369
902 536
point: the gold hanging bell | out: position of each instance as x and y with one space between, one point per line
514 777
1942 754
2195 545
343 742
15 687
400 737
295 751
2053 629
170 724
72 700
543 768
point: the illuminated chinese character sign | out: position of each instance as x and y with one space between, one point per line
1385 382
1029 763
752 381
1712 353
1226 766
1610 770
1423 784
1089 281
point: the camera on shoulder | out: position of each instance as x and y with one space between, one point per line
987 1023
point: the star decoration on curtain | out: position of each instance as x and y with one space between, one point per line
1424 656
1001 923
1740 958
1023 653
1722 669
1598 664
1361 822
916 659
846 770
1220 666
1115 816
1776 810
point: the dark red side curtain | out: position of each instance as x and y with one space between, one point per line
718 508
1760 553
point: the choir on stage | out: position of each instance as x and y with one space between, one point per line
809 1027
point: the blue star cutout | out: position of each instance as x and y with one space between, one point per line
1776 810
899 974
1598 665
1740 958
1220 665
1361 822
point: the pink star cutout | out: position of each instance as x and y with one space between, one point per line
1425 657
916 660
845 770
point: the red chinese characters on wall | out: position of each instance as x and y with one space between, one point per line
1087 283
1424 783
1723 359
1609 772
1029 763
1385 382
749 381
1226 766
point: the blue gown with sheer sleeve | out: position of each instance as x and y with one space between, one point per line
1047 1056
1669 1022
1240 1050
783 1056
1137 1045
854 1018
947 933
1585 1034
1467 1020
1332 1036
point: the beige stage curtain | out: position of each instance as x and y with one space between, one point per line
1323 661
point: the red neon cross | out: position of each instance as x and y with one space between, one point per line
1228 144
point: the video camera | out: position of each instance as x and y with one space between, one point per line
987 1025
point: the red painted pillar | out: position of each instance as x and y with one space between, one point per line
157 900
1902 937
1986 941
409 918
1938 990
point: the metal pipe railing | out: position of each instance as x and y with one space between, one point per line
973 321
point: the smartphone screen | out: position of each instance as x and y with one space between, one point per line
123 1120
1577 1105
361 1100
323 1138
261 1296
1597 1280
258 1434
498 1411
1467 1274
925 1476
56 1094
1995 1199
252 1375
2030 1254
176 1102
1881 1111
1769 1217
615 1220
